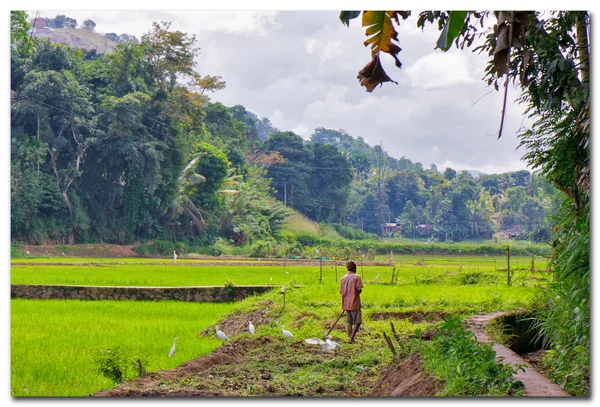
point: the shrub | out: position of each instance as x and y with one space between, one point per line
230 290
467 367
16 250
261 248
112 364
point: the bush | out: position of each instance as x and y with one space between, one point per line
353 234
16 250
112 364
467 367
261 248
230 290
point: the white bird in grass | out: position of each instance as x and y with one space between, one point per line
285 333
326 345
251 328
174 348
332 344
221 334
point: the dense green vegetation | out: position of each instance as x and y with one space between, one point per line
126 146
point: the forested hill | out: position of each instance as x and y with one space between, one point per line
127 146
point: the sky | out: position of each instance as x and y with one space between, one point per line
298 68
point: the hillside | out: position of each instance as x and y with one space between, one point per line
77 38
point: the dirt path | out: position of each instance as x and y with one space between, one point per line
536 385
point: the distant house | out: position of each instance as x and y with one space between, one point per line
390 228
38 23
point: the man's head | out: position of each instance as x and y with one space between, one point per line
351 266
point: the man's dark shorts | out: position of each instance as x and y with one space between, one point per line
354 317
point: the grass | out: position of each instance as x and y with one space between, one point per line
53 342
446 270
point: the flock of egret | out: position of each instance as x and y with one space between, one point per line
325 345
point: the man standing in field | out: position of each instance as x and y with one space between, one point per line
350 288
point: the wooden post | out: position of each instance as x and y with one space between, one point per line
390 344
335 265
508 264
321 267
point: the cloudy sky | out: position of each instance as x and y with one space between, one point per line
298 68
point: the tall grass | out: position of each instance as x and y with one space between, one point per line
53 342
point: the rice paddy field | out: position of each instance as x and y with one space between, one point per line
54 343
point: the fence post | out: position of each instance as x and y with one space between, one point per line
335 265
508 264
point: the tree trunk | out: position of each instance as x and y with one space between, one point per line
71 217
583 46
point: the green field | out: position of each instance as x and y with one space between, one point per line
53 342
407 267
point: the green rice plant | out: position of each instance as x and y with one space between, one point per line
54 342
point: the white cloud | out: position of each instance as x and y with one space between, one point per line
441 69
513 165
302 131
277 119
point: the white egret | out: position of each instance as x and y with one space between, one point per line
285 333
332 345
174 348
282 290
251 328
221 334
326 345
317 341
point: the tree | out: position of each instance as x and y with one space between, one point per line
19 27
89 25
171 53
68 131
403 187
331 174
62 21
449 174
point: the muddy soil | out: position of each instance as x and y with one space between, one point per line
276 367
81 250
406 378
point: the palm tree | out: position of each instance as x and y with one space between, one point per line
182 203
480 212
